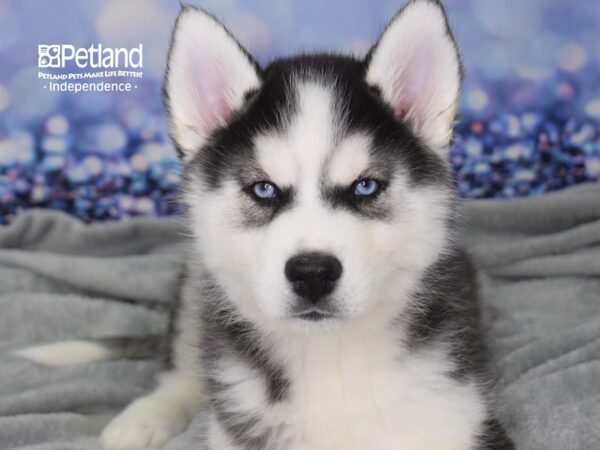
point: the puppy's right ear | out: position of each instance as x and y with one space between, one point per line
208 75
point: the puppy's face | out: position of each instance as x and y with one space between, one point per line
317 188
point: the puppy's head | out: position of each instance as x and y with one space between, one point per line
317 188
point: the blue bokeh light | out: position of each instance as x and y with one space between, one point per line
530 110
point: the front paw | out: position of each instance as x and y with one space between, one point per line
147 422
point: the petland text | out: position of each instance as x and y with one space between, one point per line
57 56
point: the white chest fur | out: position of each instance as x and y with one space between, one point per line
362 392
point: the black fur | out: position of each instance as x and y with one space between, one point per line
226 333
494 437
370 207
446 309
172 330
362 109
229 153
241 428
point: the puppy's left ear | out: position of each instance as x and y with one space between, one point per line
208 76
417 67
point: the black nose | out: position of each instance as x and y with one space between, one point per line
313 275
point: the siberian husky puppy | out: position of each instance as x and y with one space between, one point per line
327 303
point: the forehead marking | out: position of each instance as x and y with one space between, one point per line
297 154
349 160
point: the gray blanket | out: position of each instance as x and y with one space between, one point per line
61 280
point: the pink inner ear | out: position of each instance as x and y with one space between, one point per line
211 92
413 82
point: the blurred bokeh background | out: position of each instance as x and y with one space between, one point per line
530 110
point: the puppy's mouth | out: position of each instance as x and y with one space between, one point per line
314 316
314 313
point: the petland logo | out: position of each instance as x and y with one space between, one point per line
56 56
92 69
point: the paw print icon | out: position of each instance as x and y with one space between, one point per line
48 56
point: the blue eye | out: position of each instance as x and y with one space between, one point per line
366 187
264 190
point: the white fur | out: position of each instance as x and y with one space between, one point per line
417 68
65 353
207 79
356 389
217 438
349 160
152 420
188 328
